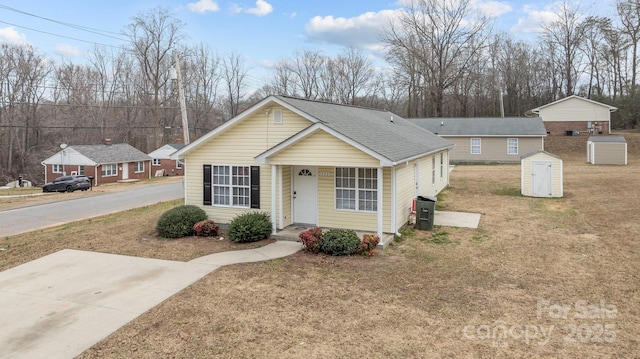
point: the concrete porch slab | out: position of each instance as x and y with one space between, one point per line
456 219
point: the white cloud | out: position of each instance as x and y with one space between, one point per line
262 8
9 35
362 31
492 8
66 50
535 19
203 6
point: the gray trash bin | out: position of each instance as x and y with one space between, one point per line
425 211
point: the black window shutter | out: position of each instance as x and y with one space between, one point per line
255 186
206 183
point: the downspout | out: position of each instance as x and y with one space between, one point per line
184 179
45 172
394 203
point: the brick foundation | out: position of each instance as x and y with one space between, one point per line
560 128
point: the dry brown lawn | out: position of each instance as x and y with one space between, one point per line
454 293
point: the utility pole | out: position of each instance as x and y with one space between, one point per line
183 103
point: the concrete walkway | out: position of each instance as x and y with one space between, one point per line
456 219
62 304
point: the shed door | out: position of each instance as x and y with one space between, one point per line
305 194
541 173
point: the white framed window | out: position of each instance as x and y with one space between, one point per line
56 168
81 170
178 164
138 167
277 116
476 146
157 162
109 170
512 146
356 189
433 169
231 186
441 165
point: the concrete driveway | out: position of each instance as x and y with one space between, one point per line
62 304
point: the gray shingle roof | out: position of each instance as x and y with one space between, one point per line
484 126
118 152
616 139
177 146
396 140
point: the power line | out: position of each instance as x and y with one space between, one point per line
79 27
63 36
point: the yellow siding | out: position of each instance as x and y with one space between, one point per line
426 186
556 176
238 145
492 149
575 109
405 192
286 192
330 217
322 149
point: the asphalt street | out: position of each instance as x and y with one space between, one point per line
21 220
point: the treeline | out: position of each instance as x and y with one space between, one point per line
443 60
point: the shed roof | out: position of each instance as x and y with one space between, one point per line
614 139
484 126
114 153
537 152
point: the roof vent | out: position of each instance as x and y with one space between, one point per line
441 123
391 119
107 141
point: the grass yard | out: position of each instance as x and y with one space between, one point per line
540 278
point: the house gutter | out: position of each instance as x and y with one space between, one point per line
421 155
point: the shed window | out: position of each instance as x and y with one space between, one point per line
476 146
356 189
512 146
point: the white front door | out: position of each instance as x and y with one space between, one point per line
541 178
305 194
125 171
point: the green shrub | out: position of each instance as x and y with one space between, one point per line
368 245
179 221
339 242
311 239
250 227
206 228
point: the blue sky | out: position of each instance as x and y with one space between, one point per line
262 31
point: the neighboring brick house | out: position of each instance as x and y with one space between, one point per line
575 115
106 163
162 163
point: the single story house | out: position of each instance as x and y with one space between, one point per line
488 140
106 163
541 175
315 163
575 115
607 150
162 164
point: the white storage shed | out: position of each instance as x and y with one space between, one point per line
541 175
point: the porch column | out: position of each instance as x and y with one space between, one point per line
273 198
280 204
380 200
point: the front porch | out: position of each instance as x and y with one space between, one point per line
290 233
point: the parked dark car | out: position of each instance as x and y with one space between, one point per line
68 184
